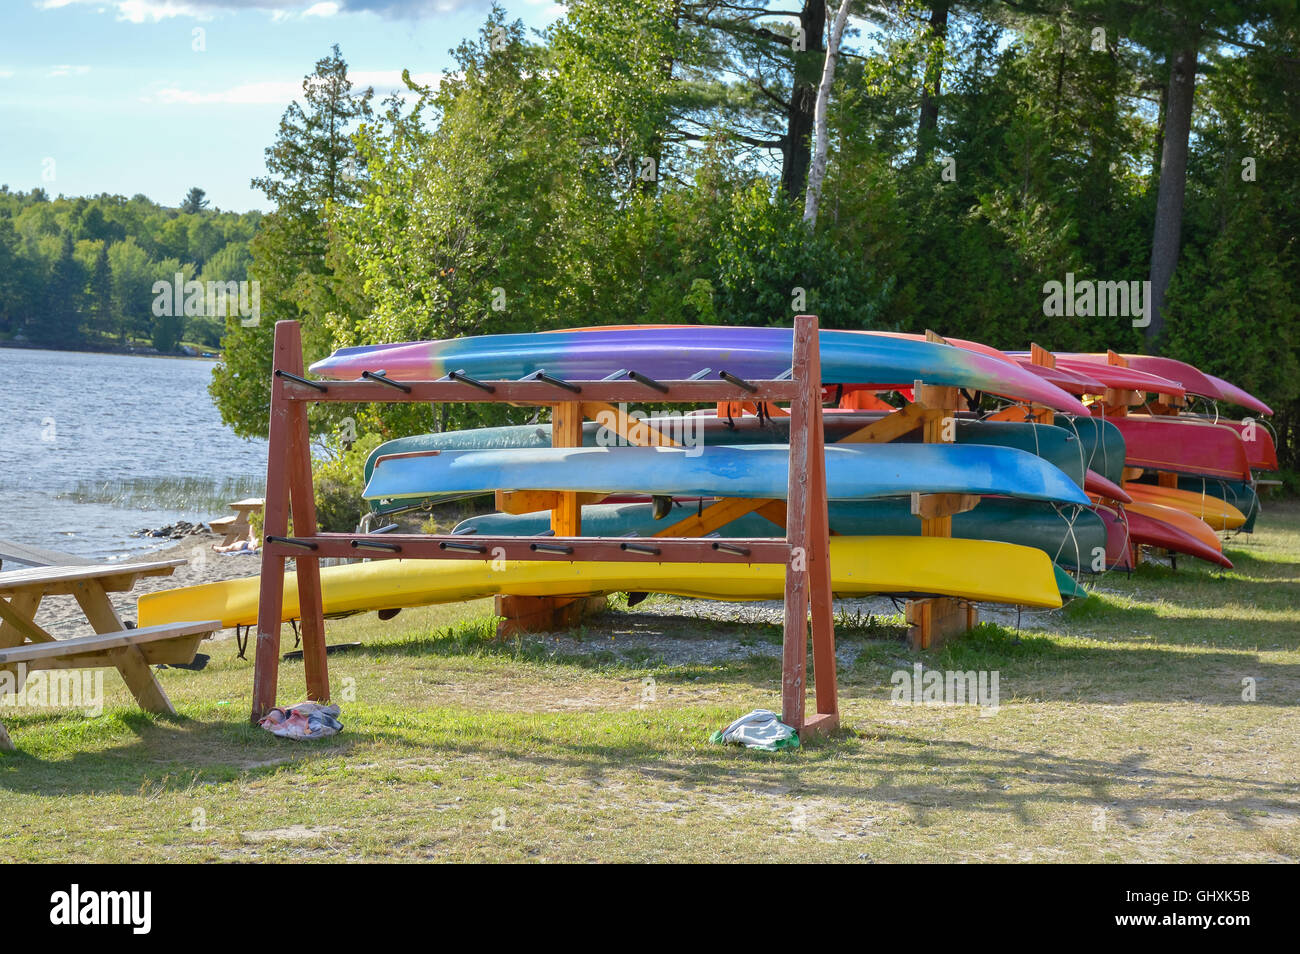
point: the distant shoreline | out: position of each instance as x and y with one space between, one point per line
126 350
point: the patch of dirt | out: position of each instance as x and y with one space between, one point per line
291 833
613 693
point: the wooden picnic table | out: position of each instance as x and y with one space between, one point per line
131 651
238 526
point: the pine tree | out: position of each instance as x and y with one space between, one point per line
313 172
12 269
194 201
103 320
64 301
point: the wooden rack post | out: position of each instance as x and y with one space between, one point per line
804 551
935 620
288 485
1043 358
808 568
1115 402
546 614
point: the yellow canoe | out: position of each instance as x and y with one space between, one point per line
1219 514
978 570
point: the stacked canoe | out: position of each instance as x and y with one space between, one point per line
1066 478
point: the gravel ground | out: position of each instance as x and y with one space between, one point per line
675 631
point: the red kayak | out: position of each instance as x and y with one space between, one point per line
1118 376
1149 531
1067 379
1193 380
1183 445
1239 396
1118 554
1095 483
1261 452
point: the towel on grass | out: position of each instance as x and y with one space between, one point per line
306 720
761 729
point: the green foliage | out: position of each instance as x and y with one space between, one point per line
509 199
769 269
64 299
640 160
314 172
339 480
1234 303
133 275
102 295
100 292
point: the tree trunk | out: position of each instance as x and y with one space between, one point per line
803 100
1158 145
1167 238
818 173
928 123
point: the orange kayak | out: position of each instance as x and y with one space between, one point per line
1217 513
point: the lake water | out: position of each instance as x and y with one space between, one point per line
95 446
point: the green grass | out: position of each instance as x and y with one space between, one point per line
1122 736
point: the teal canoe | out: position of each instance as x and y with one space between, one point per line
1100 443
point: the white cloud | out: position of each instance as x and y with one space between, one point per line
138 11
280 92
64 69
142 11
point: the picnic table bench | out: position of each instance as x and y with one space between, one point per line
23 642
237 526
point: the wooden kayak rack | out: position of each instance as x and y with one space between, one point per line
1115 402
804 550
932 621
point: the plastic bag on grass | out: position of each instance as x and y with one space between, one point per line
761 729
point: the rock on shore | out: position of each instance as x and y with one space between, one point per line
174 531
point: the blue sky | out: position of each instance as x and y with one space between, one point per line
113 96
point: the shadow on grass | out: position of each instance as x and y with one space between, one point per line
922 773
168 753
1039 668
1129 664
679 649
1178 616
967 776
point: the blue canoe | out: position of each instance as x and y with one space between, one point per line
856 472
